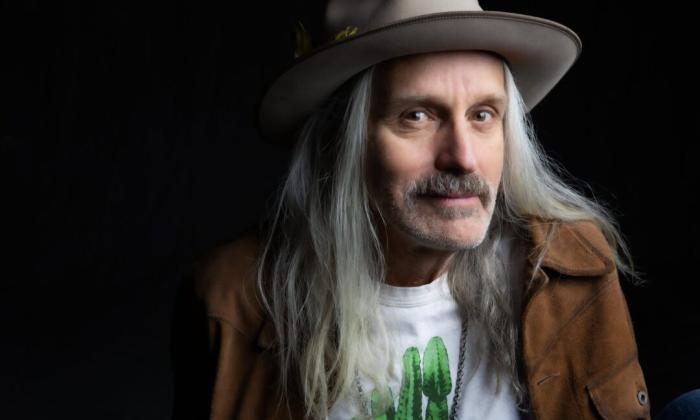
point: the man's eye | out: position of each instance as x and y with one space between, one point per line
483 115
416 116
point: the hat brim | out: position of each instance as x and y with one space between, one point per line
539 52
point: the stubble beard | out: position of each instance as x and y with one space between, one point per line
420 221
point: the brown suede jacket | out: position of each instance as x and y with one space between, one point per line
579 353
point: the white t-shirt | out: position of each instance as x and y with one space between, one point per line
415 317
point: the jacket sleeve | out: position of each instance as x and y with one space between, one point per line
620 392
223 365
579 345
241 375
213 363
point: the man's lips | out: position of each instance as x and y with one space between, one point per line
448 196
452 199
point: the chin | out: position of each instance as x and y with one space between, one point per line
467 235
450 230
461 242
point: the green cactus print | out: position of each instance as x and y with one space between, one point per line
383 406
411 395
435 382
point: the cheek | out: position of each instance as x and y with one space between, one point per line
396 163
494 163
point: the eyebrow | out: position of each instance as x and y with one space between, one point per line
392 104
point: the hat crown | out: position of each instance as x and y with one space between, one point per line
371 14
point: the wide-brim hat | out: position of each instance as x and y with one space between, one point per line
363 33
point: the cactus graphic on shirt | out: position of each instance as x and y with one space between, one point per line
411 395
437 382
383 406
434 381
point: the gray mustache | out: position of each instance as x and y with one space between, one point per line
444 184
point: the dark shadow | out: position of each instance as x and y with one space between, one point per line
192 365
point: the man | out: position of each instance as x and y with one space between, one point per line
424 260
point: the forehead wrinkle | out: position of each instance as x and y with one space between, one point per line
443 92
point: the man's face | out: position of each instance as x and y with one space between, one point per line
436 147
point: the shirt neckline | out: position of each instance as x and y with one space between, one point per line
400 296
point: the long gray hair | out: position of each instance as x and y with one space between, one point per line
321 265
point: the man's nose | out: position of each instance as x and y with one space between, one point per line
457 149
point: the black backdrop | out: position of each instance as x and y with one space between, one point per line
129 149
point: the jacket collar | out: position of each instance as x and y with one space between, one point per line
575 249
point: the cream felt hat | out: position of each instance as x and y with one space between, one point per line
362 33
